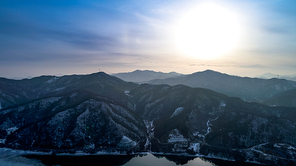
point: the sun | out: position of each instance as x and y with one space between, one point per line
207 31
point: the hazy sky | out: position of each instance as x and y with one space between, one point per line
50 37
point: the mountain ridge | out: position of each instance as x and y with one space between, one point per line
140 76
271 75
99 112
248 89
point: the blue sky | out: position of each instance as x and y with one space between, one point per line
79 37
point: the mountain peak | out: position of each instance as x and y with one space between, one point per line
144 75
207 72
210 71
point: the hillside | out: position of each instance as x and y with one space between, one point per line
141 76
248 89
286 98
270 75
101 113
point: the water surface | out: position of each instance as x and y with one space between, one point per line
9 157
114 160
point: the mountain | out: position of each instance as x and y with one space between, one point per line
248 89
270 75
286 98
100 113
144 75
20 91
195 120
83 112
77 121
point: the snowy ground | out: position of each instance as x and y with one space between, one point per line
9 157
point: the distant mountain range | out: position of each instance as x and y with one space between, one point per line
248 89
141 76
270 75
98 113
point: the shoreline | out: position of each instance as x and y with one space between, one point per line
24 153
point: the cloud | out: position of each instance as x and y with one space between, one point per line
155 23
230 65
24 39
276 29
253 66
82 39
211 65
17 28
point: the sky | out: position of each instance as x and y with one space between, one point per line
51 37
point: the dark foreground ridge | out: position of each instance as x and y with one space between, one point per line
100 113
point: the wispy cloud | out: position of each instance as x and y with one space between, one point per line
136 34
253 66
152 21
18 28
226 65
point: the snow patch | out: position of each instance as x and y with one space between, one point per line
277 146
11 130
126 142
150 132
176 137
127 92
222 104
209 125
90 146
58 89
52 80
209 128
283 145
256 147
177 111
2 141
73 95
196 133
195 147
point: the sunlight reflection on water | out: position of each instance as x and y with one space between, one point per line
9 157
152 160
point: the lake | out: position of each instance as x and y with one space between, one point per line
16 158
114 160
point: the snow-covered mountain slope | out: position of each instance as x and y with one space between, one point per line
76 122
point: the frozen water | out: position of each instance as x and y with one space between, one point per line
10 157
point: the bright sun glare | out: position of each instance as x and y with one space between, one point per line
207 31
